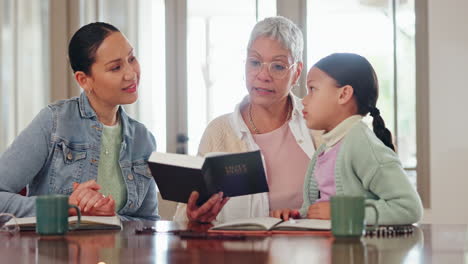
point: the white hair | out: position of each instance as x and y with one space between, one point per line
283 30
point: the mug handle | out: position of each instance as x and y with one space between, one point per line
78 213
376 224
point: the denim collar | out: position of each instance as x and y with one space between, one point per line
87 111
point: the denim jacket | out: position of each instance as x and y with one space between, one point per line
61 146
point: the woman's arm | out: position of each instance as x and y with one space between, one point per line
22 161
149 207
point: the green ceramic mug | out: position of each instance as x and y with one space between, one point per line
348 215
52 215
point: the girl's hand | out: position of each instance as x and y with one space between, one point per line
285 214
320 210
208 211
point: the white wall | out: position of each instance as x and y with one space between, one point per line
448 110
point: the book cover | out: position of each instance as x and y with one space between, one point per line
234 174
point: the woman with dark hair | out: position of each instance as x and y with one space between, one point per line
87 147
342 89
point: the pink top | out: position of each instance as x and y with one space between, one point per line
325 173
286 165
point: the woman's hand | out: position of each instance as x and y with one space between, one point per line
90 201
285 214
104 207
320 210
208 211
80 191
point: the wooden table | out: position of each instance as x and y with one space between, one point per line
428 244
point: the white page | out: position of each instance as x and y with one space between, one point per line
22 221
107 220
177 160
257 223
304 224
215 154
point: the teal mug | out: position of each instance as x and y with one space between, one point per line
52 215
348 216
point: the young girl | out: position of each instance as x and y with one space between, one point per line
342 89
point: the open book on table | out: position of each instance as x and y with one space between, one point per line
234 174
87 222
266 225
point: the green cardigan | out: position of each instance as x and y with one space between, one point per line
366 167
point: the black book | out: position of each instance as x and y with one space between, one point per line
237 174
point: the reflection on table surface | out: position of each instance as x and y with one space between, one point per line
427 244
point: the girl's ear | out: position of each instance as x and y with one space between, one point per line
83 81
346 94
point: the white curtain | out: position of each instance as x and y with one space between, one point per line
24 64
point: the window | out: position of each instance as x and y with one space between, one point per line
24 64
405 106
152 57
217 36
384 32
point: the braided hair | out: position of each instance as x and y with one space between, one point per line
356 71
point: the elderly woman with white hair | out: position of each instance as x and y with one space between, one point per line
268 119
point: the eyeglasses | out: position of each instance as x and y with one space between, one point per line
277 69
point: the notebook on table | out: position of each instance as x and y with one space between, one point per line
271 225
87 222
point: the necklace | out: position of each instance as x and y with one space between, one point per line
254 128
107 143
